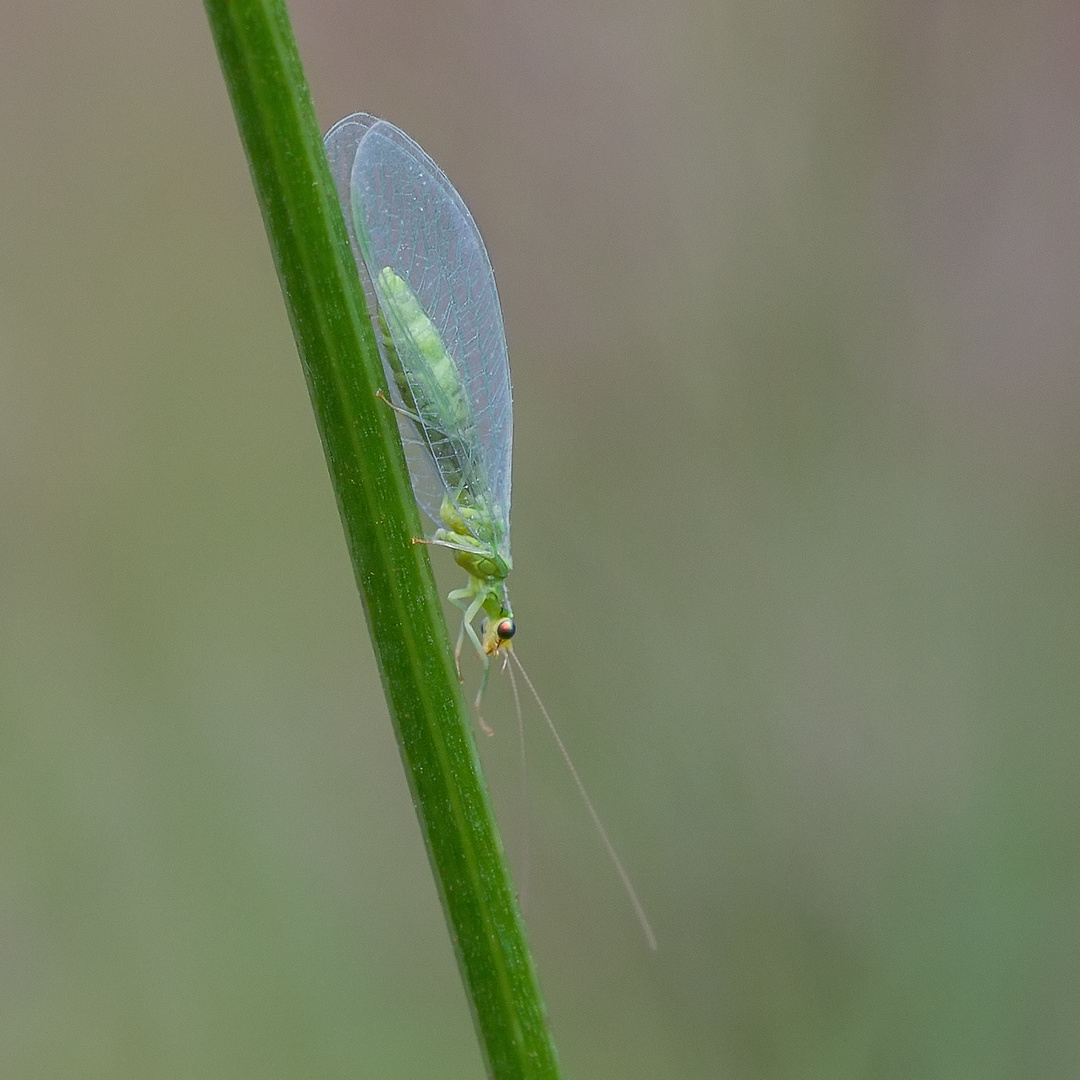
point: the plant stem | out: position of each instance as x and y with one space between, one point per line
363 450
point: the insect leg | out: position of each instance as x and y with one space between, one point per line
457 651
480 693
458 598
397 408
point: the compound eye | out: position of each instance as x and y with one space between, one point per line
505 630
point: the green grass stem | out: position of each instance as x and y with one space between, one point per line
363 451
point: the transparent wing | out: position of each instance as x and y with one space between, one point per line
341 142
403 213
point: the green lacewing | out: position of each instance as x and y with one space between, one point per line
431 289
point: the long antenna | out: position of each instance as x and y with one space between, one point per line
525 810
639 911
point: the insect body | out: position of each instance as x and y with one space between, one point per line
444 351
428 278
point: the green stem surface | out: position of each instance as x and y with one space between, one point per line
363 450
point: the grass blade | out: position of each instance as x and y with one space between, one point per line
337 349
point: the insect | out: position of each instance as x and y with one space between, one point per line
429 283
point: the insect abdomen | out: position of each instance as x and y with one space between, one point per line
437 388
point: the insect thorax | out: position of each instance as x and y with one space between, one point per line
471 532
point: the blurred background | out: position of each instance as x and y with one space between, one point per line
791 296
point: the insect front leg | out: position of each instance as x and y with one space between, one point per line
457 651
454 597
471 609
480 693
470 603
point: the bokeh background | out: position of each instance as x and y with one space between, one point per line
791 293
